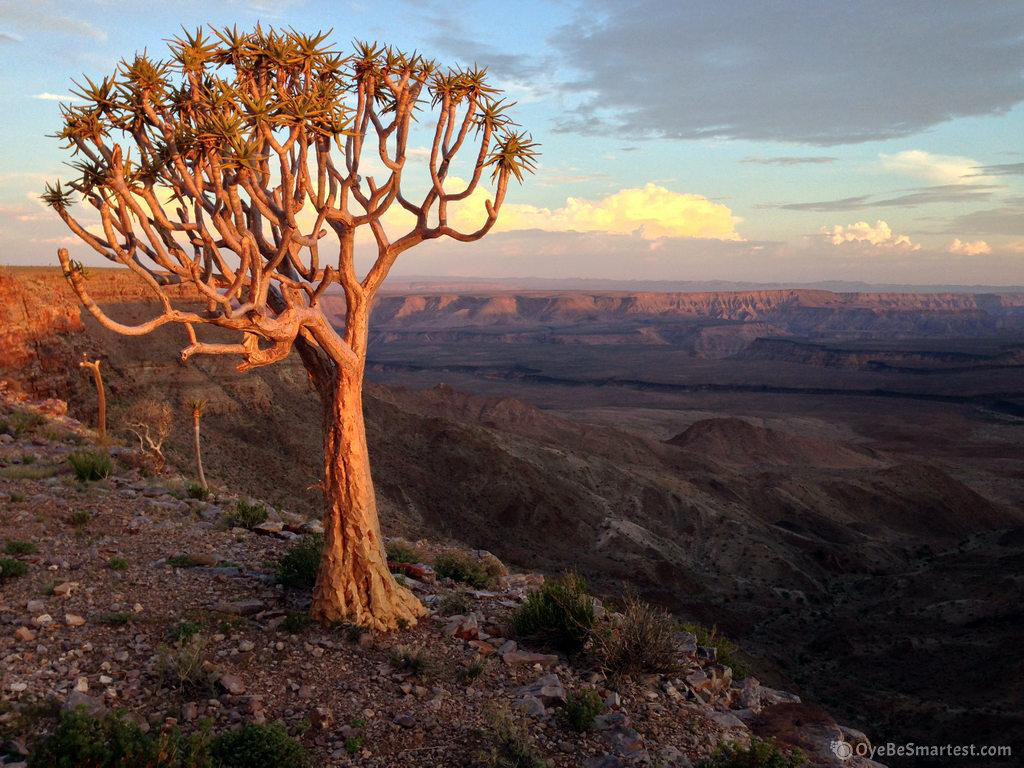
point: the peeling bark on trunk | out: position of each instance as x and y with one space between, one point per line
354 583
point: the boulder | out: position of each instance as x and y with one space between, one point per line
800 725
548 690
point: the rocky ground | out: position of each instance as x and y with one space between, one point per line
140 599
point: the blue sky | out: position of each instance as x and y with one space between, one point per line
795 141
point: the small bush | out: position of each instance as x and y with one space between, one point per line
258 746
80 517
354 743
580 709
297 567
246 514
726 651
15 547
455 603
477 573
643 641
560 614
181 667
16 497
19 423
294 623
197 491
471 671
415 661
760 754
28 458
11 568
507 744
400 552
90 466
182 561
117 564
113 742
184 631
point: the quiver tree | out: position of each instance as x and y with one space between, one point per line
101 396
196 406
245 166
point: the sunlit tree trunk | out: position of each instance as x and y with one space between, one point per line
354 583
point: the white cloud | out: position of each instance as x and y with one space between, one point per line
879 234
940 169
651 210
47 96
969 247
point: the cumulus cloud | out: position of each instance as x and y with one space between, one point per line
969 247
651 210
879 234
941 169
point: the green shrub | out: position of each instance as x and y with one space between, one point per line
472 671
182 561
258 746
90 466
455 603
726 651
19 423
760 754
643 641
197 491
400 552
16 497
117 564
181 667
294 623
477 573
11 568
246 514
297 567
184 631
415 661
15 547
83 741
506 743
80 517
559 614
580 709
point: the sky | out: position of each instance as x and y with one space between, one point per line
792 141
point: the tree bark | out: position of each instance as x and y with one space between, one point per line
353 583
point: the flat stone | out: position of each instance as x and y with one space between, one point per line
406 721
43 620
514 658
269 527
73 620
727 721
35 606
548 689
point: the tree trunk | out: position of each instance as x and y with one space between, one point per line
199 454
354 583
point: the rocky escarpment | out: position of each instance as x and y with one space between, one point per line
133 597
798 311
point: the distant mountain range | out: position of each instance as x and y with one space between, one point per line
405 283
